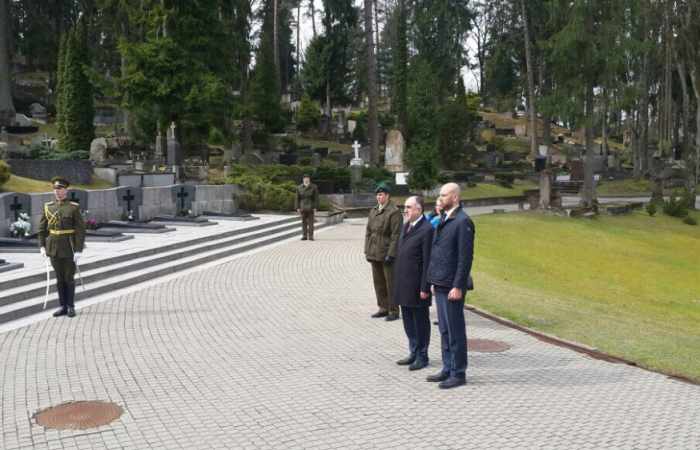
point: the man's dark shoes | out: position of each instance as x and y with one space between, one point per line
71 312
440 376
418 364
379 314
304 238
452 382
392 316
406 361
60 312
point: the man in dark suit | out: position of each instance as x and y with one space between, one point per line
411 289
448 273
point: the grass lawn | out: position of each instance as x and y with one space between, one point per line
27 185
486 190
627 285
627 187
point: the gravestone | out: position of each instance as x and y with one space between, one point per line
159 154
38 111
157 201
324 124
395 147
130 198
352 124
98 150
174 155
576 167
78 196
214 199
11 205
183 196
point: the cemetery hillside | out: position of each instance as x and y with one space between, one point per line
572 129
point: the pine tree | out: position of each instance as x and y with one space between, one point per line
77 102
265 85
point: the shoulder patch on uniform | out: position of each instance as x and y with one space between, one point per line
75 204
49 203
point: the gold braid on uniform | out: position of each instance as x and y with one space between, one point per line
51 218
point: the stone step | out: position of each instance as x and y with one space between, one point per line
41 275
112 279
95 274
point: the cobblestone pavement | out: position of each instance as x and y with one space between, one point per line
277 350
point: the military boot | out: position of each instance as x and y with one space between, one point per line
70 297
60 288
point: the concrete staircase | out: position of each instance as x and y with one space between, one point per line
24 296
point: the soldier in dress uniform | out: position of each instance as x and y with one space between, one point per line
61 238
306 204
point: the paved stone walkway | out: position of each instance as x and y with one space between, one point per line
277 350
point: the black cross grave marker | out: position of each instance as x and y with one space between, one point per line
16 207
128 197
181 195
73 198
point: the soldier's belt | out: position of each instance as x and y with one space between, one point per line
61 232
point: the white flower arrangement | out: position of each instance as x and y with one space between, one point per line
22 227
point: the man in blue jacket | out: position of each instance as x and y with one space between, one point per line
449 270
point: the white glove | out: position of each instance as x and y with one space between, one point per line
76 257
42 251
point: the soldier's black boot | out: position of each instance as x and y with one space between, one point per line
60 288
70 296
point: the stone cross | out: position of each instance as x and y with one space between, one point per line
128 197
356 146
16 207
181 195
172 130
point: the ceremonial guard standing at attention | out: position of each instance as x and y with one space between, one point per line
61 238
306 204
381 238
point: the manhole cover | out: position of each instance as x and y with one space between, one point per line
78 415
486 346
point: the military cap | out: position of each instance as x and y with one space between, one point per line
382 187
306 175
59 182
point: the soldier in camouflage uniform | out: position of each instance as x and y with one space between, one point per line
61 238
306 204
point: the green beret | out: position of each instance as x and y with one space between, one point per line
382 187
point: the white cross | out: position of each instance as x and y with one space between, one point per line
172 129
356 146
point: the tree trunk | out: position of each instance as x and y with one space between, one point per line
312 11
328 98
588 194
643 155
604 123
401 71
299 41
275 40
7 108
371 86
695 78
530 82
546 118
